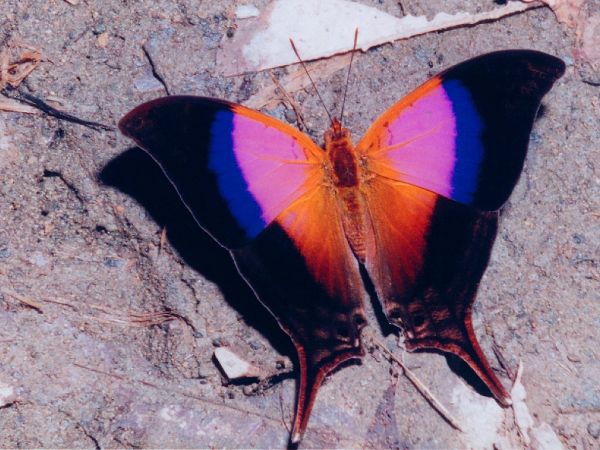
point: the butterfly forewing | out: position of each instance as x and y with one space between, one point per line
234 168
464 133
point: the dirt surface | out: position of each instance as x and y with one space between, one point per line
87 355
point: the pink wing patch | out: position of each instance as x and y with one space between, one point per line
414 141
274 162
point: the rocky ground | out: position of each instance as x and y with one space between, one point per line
108 322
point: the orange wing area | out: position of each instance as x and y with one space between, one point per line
425 261
314 224
302 269
400 215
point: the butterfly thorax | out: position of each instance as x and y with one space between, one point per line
339 149
345 177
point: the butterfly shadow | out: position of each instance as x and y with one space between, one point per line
463 370
137 175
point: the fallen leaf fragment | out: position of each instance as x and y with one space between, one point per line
296 80
321 29
582 17
544 438
589 42
523 418
15 66
72 2
566 11
541 437
235 367
482 418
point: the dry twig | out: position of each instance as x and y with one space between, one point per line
11 105
423 390
40 104
502 360
179 392
163 239
22 299
290 100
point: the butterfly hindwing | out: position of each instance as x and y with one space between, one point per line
464 133
324 326
426 260
303 270
438 308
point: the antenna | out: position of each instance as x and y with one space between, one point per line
348 75
310 78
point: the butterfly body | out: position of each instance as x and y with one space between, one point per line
345 171
412 207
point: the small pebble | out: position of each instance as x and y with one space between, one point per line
290 115
234 367
249 390
594 429
254 345
7 395
102 40
4 252
113 262
99 29
246 11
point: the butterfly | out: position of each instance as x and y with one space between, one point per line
410 213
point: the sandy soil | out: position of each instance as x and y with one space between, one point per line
81 217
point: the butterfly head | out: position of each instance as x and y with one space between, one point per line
337 135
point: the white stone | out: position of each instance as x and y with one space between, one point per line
7 394
246 11
480 417
234 366
544 438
